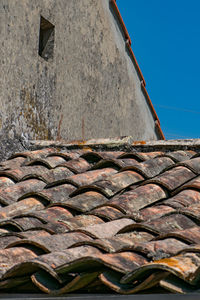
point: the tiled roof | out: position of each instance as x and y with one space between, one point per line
93 221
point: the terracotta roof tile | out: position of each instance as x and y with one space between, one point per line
56 194
107 212
112 280
90 156
12 163
59 174
49 243
117 182
169 223
78 165
179 156
12 256
174 178
161 248
138 198
90 177
145 156
194 184
83 202
53 213
192 164
12 194
49 162
107 229
6 181
79 220
24 172
121 241
176 285
183 266
155 212
115 163
34 154
184 198
63 259
189 235
23 223
152 167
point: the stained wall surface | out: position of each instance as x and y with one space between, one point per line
89 89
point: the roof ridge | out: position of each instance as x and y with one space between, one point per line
126 143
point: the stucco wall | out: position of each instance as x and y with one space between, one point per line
90 88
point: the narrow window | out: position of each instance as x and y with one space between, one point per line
46 39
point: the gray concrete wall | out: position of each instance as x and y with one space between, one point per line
90 89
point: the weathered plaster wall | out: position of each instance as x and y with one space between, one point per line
90 88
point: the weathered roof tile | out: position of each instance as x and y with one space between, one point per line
83 202
117 182
56 194
12 194
184 198
78 165
106 230
151 167
49 162
174 178
138 198
90 176
107 212
48 243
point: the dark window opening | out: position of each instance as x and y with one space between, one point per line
46 39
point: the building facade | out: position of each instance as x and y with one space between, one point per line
68 72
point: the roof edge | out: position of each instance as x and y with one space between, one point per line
141 77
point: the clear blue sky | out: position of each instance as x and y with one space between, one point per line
166 42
